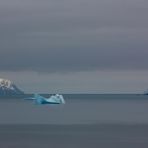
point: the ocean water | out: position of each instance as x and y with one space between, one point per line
105 121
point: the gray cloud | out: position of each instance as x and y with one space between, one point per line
59 36
80 82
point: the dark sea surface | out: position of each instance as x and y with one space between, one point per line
89 121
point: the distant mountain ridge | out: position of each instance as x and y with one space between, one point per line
7 87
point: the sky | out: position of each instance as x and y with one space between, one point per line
81 46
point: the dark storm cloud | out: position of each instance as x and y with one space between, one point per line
66 35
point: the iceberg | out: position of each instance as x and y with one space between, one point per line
54 99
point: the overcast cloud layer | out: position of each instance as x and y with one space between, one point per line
80 82
68 35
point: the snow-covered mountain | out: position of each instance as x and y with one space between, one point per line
8 88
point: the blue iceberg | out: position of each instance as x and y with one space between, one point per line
54 99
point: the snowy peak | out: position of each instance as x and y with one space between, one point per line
8 88
6 83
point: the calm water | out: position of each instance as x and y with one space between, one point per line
79 109
89 121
